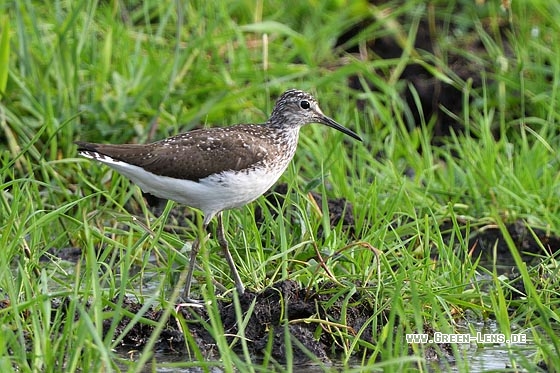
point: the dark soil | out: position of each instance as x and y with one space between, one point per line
531 242
273 309
285 307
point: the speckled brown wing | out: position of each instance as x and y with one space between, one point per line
193 155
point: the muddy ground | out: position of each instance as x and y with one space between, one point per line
285 301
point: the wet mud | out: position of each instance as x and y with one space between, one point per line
280 309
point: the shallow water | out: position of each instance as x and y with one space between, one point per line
482 358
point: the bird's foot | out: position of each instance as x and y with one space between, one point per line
188 302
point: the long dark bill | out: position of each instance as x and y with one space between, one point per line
331 123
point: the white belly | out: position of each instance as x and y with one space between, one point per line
211 194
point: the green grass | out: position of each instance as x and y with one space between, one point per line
140 71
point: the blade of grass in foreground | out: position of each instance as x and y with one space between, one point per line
4 53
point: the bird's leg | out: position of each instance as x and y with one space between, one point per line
192 263
224 245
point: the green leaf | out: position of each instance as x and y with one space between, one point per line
271 27
4 54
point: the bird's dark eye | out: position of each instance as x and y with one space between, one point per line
304 104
